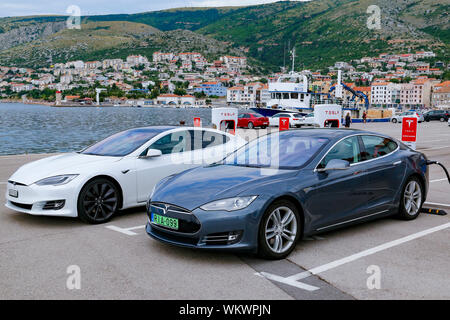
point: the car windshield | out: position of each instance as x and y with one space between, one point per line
284 151
122 143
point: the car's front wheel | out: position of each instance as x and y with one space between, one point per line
394 120
279 230
250 125
412 200
98 201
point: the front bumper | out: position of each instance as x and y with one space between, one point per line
212 223
31 199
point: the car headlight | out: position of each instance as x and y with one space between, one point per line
56 180
231 204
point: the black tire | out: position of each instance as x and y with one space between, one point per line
394 120
263 127
264 248
411 212
250 125
98 201
442 119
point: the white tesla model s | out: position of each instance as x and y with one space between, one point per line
116 173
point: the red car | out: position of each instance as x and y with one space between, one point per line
252 120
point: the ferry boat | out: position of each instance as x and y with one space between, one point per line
292 93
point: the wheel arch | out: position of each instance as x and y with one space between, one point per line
297 204
112 180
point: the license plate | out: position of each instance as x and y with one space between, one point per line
167 222
13 193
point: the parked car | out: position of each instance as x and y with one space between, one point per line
116 173
441 115
399 117
308 120
294 119
448 122
310 181
252 120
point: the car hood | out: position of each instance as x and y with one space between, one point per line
70 163
196 187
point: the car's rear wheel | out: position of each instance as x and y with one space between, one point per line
394 120
279 230
442 119
98 201
250 125
412 200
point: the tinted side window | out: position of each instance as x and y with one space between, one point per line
347 149
174 142
377 147
212 139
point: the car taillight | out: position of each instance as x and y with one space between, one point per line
295 119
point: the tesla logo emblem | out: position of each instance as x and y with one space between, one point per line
164 209
409 122
284 121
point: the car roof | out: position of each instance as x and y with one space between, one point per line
155 129
331 133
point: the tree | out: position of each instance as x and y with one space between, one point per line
179 91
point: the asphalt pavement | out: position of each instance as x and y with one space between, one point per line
385 259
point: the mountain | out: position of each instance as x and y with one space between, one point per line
322 31
325 31
103 40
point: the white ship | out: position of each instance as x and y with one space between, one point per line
291 93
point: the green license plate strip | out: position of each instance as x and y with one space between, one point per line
167 222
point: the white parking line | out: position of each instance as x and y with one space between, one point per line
444 179
127 231
438 204
430 141
293 280
437 148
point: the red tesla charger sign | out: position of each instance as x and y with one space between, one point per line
409 131
197 122
284 124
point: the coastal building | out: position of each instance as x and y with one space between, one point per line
212 88
251 94
136 60
163 57
176 100
441 95
92 65
18 87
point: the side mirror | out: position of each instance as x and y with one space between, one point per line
336 164
152 153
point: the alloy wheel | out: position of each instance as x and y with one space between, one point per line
412 198
100 201
281 229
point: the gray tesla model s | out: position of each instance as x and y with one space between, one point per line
288 185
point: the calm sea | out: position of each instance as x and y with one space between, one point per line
41 129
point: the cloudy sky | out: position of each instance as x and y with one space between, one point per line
10 8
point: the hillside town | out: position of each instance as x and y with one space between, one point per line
406 80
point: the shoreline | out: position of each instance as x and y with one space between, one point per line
53 105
